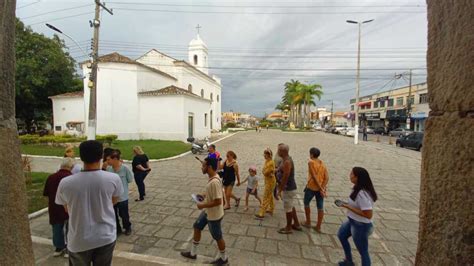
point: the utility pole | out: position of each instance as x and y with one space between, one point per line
409 103
332 108
356 127
92 122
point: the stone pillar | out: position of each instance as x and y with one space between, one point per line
446 235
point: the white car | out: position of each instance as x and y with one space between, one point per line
350 132
339 129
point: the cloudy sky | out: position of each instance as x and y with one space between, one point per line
256 46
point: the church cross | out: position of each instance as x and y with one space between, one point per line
198 27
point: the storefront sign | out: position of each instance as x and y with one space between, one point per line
419 115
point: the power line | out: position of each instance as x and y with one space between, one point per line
265 6
71 16
264 13
56 11
27 5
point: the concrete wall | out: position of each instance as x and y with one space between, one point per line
159 61
447 179
188 76
67 110
166 117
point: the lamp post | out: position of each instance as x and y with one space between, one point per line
356 127
69 37
85 54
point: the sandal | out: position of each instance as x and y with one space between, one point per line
237 202
297 228
284 231
258 216
228 208
306 225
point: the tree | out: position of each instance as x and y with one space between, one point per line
43 69
299 97
15 238
310 91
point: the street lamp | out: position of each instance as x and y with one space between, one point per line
59 31
356 127
92 96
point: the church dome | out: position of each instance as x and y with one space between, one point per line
197 42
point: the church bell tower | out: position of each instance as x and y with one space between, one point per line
198 53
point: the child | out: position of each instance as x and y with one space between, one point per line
252 186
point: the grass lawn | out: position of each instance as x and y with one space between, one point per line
155 149
36 200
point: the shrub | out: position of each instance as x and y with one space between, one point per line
36 139
107 139
231 125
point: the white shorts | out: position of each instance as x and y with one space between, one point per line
288 198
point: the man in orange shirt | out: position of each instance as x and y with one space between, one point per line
316 187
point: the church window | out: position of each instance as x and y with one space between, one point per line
195 59
202 93
218 98
212 97
190 88
205 120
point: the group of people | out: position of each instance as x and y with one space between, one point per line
90 202
280 183
86 202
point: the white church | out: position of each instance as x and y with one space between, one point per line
153 97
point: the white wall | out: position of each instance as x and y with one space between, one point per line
67 110
159 61
166 117
188 76
148 80
117 100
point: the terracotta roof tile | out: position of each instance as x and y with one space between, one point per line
170 90
69 95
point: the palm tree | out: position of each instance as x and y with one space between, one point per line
290 97
309 91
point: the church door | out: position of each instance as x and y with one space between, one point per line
190 126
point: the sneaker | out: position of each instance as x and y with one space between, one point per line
58 252
219 261
346 263
128 231
66 254
188 255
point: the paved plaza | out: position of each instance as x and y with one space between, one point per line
162 224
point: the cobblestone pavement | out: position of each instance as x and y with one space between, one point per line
162 224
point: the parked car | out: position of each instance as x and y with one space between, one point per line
380 131
370 130
413 141
399 132
338 129
350 132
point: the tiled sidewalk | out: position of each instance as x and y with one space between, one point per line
162 224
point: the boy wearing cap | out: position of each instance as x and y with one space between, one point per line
252 186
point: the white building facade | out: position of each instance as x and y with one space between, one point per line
152 97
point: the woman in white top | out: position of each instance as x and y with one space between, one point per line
359 213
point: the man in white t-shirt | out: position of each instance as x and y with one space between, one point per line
212 214
89 198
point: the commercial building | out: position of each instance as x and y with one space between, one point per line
391 109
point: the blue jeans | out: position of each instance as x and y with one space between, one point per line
139 180
360 233
121 210
58 235
309 195
214 226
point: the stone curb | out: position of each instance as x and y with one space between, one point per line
37 213
129 255
128 161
